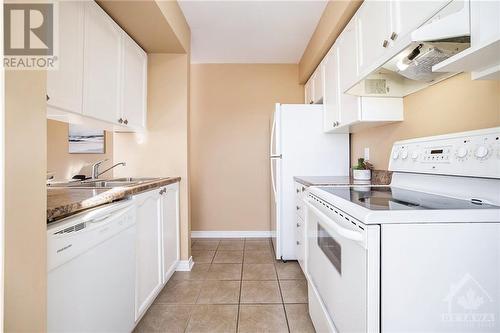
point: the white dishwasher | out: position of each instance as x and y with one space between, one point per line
91 271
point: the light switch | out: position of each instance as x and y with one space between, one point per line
367 154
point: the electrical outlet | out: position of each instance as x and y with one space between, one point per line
367 154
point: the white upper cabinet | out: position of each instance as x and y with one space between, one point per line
102 72
347 45
318 85
374 25
331 99
65 85
134 85
407 15
102 65
308 91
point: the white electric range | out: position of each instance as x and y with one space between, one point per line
420 255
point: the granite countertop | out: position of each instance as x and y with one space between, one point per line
66 201
379 177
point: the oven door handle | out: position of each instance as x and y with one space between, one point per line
344 232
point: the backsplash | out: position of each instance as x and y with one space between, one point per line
453 105
65 165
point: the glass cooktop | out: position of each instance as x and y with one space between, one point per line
393 198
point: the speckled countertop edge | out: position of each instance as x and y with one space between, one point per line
66 201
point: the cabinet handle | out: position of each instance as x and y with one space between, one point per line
125 121
47 97
298 243
303 188
394 36
297 190
385 43
298 225
298 207
120 120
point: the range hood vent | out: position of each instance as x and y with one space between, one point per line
410 70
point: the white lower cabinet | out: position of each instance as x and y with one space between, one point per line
300 236
157 243
148 264
170 230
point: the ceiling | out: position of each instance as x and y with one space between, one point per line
250 31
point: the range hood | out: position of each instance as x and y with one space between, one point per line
443 36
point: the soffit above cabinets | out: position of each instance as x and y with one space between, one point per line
250 31
145 23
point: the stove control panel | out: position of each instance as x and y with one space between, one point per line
473 153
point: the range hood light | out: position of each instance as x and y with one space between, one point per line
403 64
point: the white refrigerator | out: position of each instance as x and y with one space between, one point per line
299 147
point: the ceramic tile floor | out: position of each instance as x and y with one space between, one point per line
235 286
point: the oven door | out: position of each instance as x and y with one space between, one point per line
338 266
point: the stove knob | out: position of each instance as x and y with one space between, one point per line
481 152
404 154
414 155
395 154
461 152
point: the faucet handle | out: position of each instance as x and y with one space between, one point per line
99 162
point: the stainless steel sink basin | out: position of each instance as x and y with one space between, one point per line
111 183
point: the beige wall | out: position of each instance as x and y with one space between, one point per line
231 106
25 202
454 105
66 165
163 150
335 17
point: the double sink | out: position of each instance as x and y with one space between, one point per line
99 183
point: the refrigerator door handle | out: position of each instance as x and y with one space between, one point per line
273 156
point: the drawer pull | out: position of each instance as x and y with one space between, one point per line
298 225
298 243
298 208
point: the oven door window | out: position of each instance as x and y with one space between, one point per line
331 248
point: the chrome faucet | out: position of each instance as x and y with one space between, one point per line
111 167
95 168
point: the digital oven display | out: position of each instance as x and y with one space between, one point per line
436 151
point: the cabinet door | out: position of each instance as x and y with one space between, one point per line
309 91
331 112
318 85
65 85
134 84
407 15
148 266
373 22
170 230
348 56
485 21
349 104
102 65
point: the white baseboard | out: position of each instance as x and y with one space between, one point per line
230 234
185 265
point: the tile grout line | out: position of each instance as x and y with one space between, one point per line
241 286
282 300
